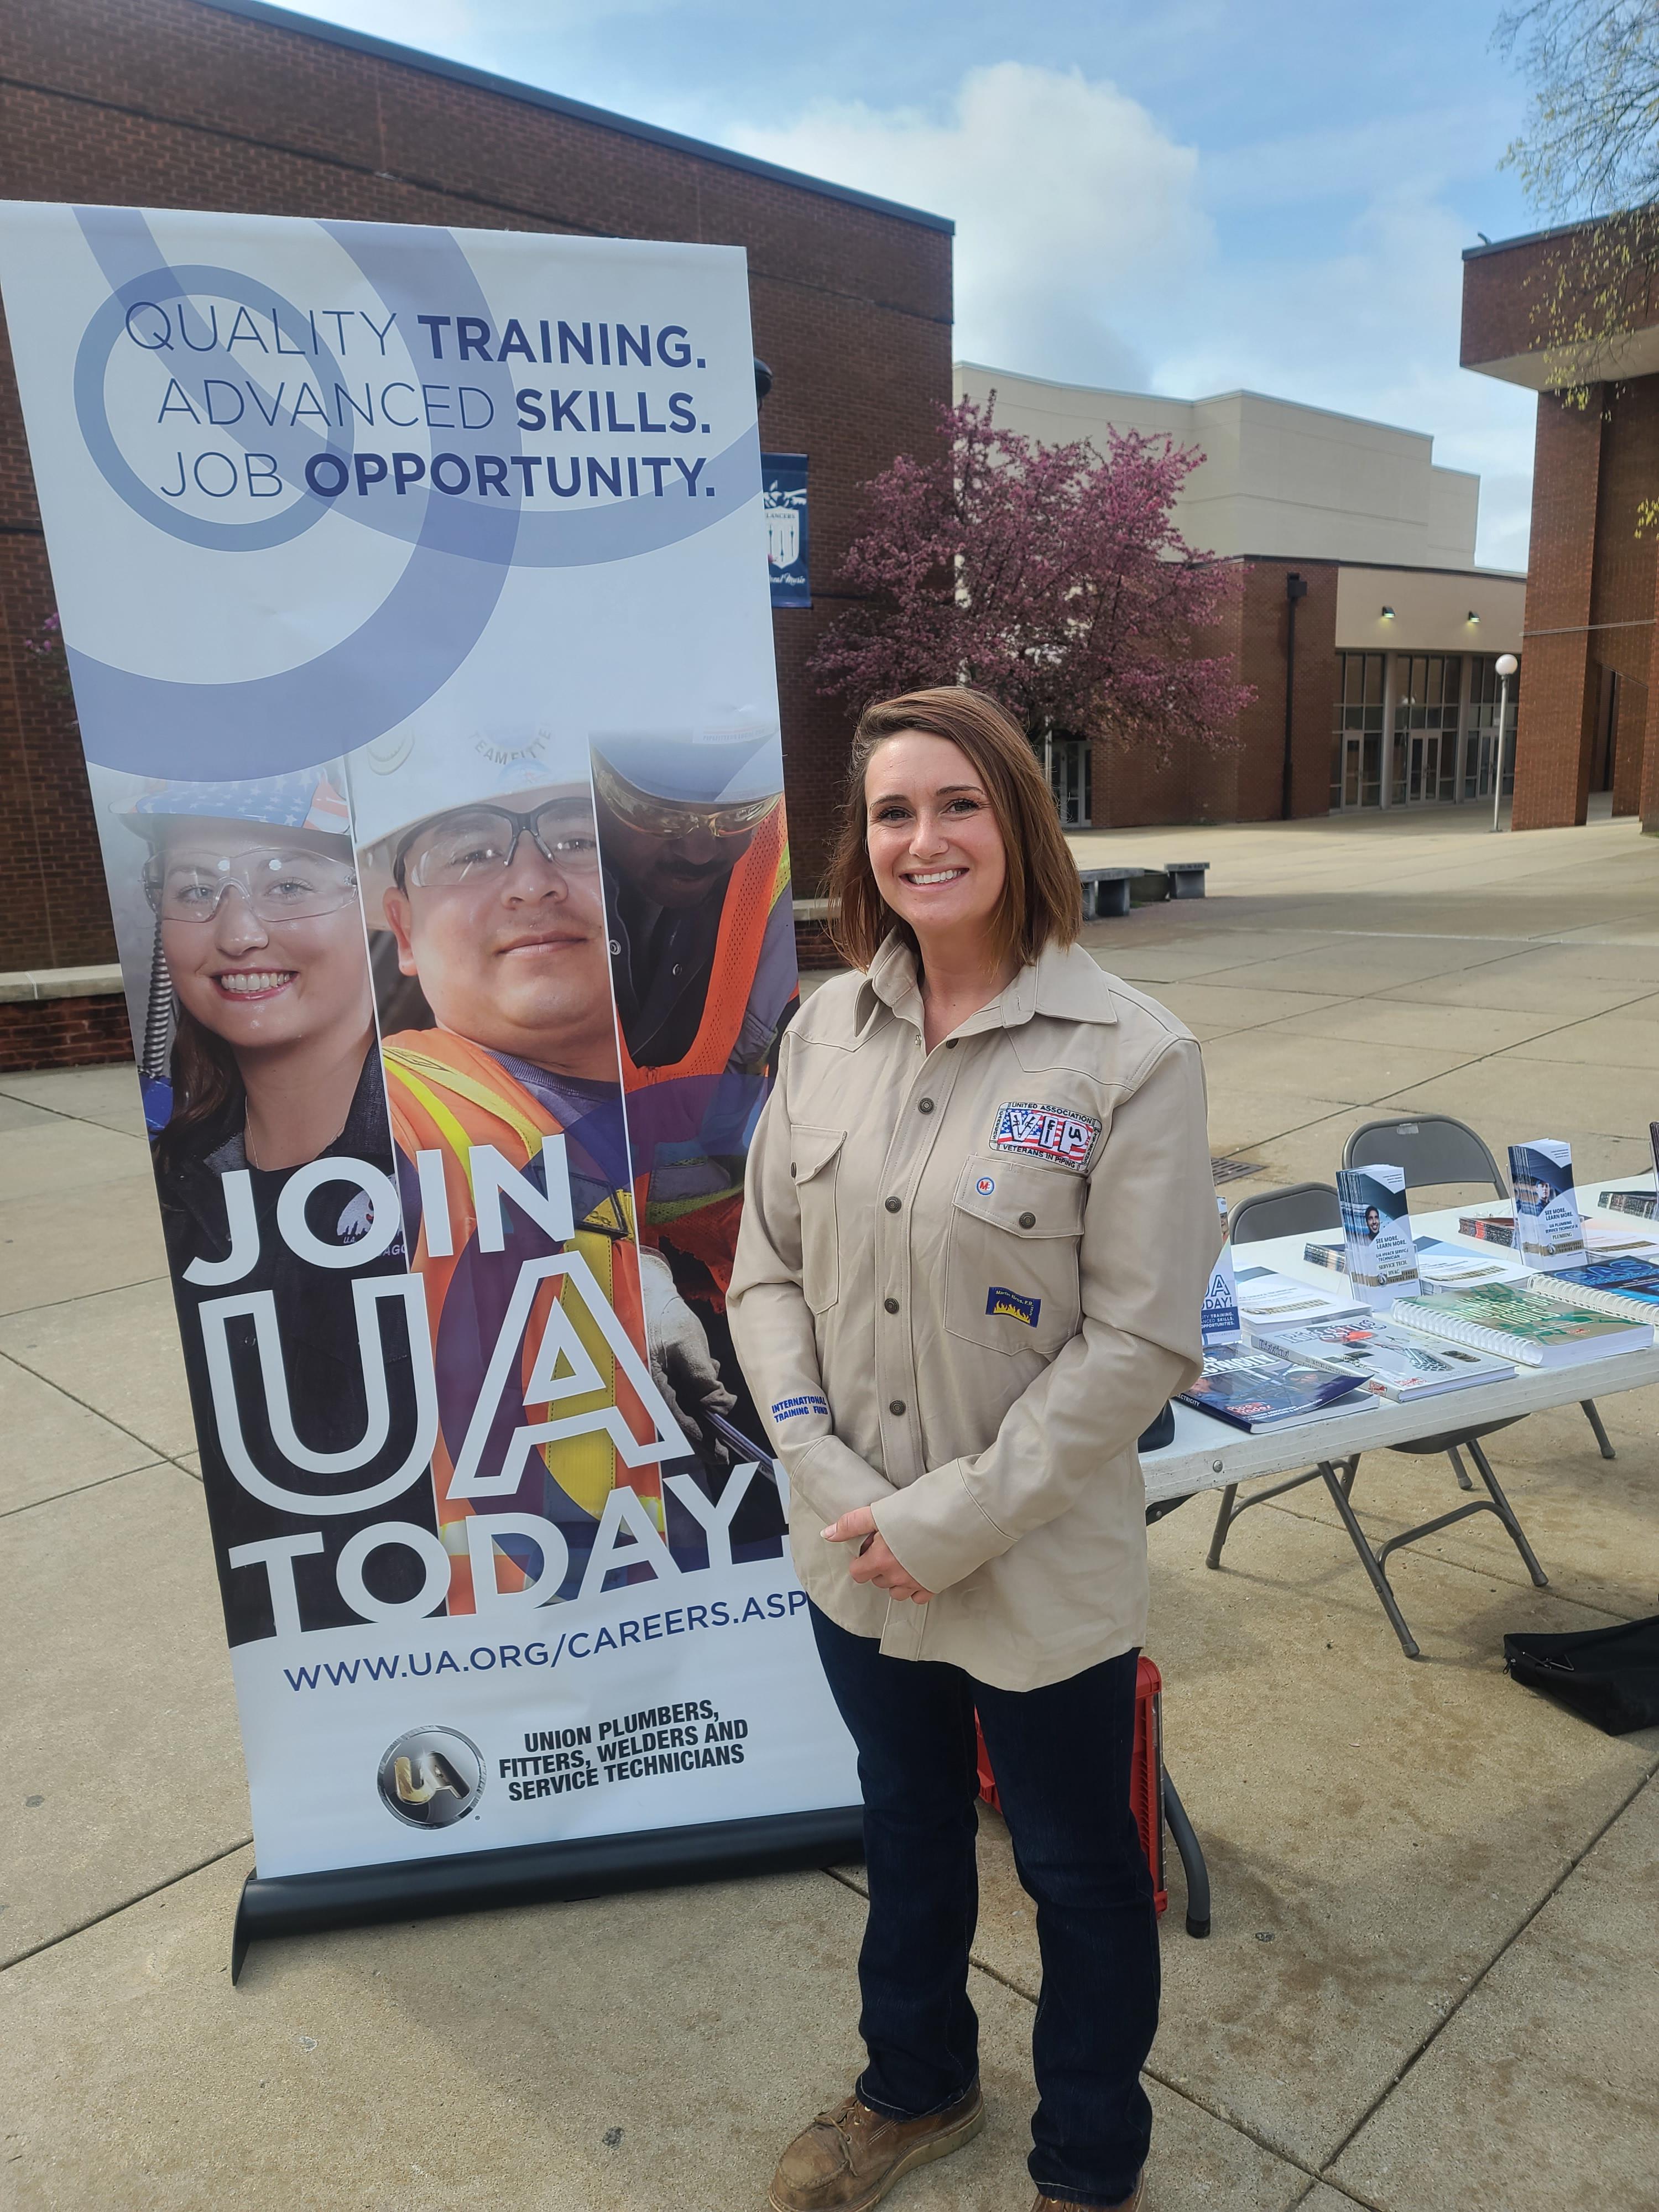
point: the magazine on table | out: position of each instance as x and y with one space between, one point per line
1257 1391
1532 1327
1395 1363
1627 1288
1264 1295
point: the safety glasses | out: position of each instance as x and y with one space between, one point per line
276 885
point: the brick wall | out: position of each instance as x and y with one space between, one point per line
1244 782
62 1033
169 103
1556 721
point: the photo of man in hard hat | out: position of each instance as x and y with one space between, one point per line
258 1057
703 949
496 906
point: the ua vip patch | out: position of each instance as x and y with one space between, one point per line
1045 1133
1013 1306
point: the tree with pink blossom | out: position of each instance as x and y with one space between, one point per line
1052 577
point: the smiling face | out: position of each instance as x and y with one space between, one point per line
264 979
935 846
518 958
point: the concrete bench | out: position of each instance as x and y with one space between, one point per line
1186 878
1105 890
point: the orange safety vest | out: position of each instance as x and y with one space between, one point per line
752 890
707 1228
447 1095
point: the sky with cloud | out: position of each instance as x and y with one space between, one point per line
1184 197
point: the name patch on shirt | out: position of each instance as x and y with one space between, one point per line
1045 1133
998 1301
809 1401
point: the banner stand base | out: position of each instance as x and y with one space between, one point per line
542 1874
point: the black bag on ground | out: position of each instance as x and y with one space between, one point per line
1608 1676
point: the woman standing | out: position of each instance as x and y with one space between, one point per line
979 1222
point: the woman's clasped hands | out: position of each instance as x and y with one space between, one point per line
874 1561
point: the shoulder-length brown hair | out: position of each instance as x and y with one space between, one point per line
1041 902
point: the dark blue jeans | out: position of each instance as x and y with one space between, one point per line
1061 1759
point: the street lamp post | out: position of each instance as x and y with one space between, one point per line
1506 665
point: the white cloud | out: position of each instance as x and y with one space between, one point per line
1086 251
1073 207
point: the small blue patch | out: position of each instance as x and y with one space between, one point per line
809 1401
998 1301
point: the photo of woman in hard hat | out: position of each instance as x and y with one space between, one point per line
260 1056
259 934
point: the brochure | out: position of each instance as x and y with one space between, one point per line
1376 1228
1219 1321
1395 1364
1256 1391
1548 1231
1264 1295
1511 1322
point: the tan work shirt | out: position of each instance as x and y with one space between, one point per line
966 1281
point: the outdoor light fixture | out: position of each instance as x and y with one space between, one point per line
1474 617
1388 614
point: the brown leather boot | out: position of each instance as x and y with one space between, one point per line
1130 2203
849 2159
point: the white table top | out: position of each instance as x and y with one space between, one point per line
1208 1455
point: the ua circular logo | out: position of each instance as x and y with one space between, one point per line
431 1777
985 1186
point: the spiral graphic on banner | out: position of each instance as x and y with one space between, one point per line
461 544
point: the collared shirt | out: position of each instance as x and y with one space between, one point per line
966 1281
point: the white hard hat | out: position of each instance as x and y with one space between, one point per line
729 760
411 775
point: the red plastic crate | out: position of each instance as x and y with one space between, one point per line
1145 1771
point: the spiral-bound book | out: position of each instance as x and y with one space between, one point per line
1522 1325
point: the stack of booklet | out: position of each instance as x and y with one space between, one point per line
1395 1363
1265 1297
1438 1261
1256 1390
1599 1236
1537 1323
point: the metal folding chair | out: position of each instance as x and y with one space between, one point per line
1433 1149
1306 1208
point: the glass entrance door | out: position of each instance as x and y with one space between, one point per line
1422 764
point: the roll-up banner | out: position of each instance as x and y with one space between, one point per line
414 587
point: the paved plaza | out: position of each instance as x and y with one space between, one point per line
1434 1977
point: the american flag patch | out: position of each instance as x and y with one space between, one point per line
1045 1133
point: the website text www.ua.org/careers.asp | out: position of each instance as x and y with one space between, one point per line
577 1643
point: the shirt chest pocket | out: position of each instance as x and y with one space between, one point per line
1011 1265
815 1167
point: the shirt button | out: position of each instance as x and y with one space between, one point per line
924 1106
678 968
892 1304
950 1044
792 1167
1028 1221
895 1405
892 1205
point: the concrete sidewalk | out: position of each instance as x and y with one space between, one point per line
1434 1981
